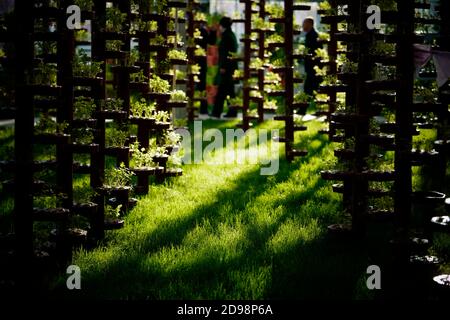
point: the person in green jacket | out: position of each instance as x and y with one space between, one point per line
224 80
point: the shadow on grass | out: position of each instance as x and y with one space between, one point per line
313 269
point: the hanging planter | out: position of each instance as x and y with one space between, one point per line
88 209
441 224
72 237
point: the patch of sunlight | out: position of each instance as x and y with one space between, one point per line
251 283
292 233
203 246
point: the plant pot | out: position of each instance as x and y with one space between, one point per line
344 154
146 122
442 286
373 175
73 237
54 214
83 123
178 62
112 115
79 168
139 86
162 125
113 224
340 231
175 104
158 96
161 159
337 175
87 82
88 209
118 192
441 224
173 172
85 148
51 138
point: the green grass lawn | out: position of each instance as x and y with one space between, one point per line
226 232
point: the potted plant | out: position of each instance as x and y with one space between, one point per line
159 88
118 178
171 141
177 57
45 74
142 160
115 137
113 109
275 11
142 110
115 20
82 136
162 119
178 99
84 67
83 196
84 108
47 130
112 218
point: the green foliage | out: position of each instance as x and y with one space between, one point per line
174 161
261 24
46 125
194 69
177 55
174 11
324 36
321 72
238 73
272 77
118 177
257 63
146 26
200 52
142 109
270 104
112 213
83 66
238 101
178 96
302 97
141 157
84 107
46 74
82 136
114 45
113 105
115 19
274 38
275 10
85 5
83 193
171 138
116 137
138 77
159 40
162 116
158 85
200 16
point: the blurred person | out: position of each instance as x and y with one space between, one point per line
202 62
228 45
312 44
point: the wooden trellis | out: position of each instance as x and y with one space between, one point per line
57 99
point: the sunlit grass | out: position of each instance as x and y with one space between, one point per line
225 232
